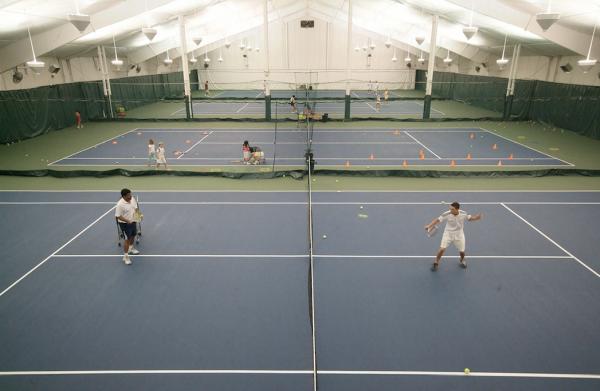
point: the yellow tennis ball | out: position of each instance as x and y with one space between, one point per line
467 371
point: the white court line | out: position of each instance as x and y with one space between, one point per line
304 191
580 376
340 203
550 240
243 107
331 256
192 147
93 146
431 107
528 147
54 253
324 143
423 145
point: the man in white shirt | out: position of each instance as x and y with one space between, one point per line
453 232
125 212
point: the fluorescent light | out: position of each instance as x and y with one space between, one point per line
35 64
149 32
116 62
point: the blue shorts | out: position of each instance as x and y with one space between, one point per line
129 230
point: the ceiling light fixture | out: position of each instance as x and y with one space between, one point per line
33 63
503 61
116 62
588 63
548 18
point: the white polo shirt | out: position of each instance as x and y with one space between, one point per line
126 209
454 224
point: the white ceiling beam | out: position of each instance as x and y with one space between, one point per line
502 11
45 42
214 41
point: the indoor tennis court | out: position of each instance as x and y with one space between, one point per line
324 195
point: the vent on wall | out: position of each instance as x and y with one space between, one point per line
566 68
17 76
307 24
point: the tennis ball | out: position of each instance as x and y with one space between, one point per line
361 206
467 371
324 236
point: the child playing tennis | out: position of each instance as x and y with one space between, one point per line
160 155
151 153
246 152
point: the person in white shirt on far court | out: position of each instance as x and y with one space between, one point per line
453 232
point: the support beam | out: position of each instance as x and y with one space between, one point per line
348 65
266 59
430 67
505 12
510 89
187 94
44 42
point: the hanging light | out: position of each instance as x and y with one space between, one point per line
193 60
469 31
357 48
421 60
249 46
394 59
388 42
242 46
548 18
168 61
227 43
448 60
371 44
364 48
588 63
116 62
149 32
33 63
420 39
197 40
407 59
503 61
206 59
79 20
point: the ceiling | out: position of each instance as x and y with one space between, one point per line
219 20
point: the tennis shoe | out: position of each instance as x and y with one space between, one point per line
463 264
133 251
126 259
434 267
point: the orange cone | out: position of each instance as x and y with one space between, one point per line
452 163
494 147
347 164
405 164
372 157
421 152
499 163
510 157
396 132
472 136
468 156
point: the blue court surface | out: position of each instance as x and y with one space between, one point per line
367 107
219 298
300 94
332 147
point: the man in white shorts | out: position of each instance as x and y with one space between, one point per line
125 214
453 232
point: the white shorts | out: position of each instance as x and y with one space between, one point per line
458 240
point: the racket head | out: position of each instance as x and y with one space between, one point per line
432 231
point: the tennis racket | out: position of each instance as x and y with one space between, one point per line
138 216
431 231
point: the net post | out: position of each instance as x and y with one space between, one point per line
427 107
508 101
267 107
347 107
186 99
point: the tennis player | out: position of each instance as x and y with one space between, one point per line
293 104
453 232
124 213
